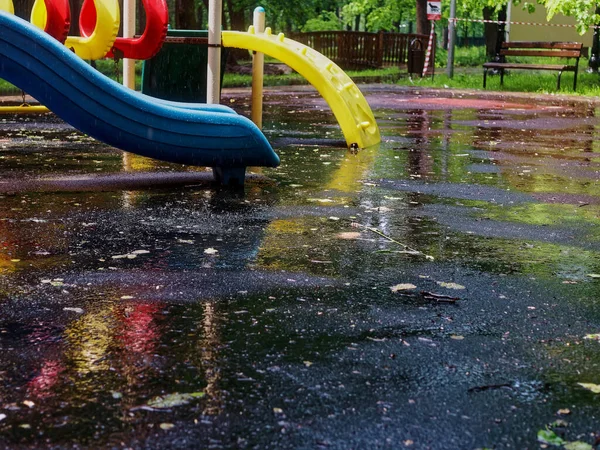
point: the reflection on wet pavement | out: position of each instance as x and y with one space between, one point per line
433 292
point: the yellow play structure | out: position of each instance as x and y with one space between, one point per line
98 30
343 96
7 5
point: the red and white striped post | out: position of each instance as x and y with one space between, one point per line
434 12
428 52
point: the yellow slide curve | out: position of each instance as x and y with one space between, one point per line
343 96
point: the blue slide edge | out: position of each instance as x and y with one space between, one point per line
197 135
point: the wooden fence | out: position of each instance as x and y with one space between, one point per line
355 49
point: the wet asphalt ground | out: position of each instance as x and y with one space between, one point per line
440 291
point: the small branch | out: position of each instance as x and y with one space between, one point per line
379 233
439 297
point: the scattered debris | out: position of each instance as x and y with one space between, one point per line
383 235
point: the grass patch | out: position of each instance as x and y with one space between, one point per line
543 82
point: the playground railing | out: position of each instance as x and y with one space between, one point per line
356 49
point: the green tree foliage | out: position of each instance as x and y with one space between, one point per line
325 21
370 15
375 15
585 12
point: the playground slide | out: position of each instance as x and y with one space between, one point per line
110 112
343 96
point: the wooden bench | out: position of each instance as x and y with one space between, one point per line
567 50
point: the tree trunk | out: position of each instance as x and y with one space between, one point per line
490 32
75 6
23 8
501 36
423 25
185 15
236 22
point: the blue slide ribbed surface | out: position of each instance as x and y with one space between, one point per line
188 134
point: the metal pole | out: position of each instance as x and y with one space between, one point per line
129 32
451 38
258 61
213 74
594 61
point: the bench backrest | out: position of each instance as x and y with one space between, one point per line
549 49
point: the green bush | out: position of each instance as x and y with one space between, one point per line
326 21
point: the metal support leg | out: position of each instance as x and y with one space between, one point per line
229 176
558 81
484 77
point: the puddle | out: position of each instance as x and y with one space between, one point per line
432 292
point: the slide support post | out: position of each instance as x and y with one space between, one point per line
129 32
213 76
258 63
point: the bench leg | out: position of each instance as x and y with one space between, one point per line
501 77
484 77
558 82
575 81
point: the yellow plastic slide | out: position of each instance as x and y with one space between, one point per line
343 96
101 39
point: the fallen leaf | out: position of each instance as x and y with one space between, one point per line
457 337
320 200
176 399
350 235
593 275
28 403
402 287
595 388
594 337
549 437
450 285
578 445
563 412
77 310
211 251
166 426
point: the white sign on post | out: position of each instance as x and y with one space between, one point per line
434 10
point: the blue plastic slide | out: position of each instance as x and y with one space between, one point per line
210 136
